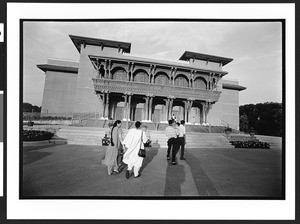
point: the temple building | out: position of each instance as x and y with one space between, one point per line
113 84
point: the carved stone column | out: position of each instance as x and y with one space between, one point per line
128 109
190 110
207 107
171 107
174 75
186 109
113 110
125 107
127 71
205 112
202 113
131 72
152 79
150 108
101 98
107 106
166 110
150 73
153 73
146 108
109 69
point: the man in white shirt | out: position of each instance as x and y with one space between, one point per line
182 139
173 142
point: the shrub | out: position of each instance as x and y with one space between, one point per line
228 129
105 140
250 144
148 143
36 135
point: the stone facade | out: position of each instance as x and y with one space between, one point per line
114 84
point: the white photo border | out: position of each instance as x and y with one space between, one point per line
146 209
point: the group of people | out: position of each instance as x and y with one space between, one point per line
122 152
176 134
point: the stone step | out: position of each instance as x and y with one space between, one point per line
93 136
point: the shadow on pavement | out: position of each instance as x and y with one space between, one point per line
33 156
203 183
149 157
175 176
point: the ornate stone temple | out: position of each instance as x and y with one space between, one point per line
110 82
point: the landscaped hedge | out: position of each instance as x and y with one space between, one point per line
35 135
37 116
250 144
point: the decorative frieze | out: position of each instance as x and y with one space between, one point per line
158 90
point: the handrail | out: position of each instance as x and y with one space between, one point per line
226 123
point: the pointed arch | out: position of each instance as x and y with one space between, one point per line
140 75
181 80
200 83
119 73
161 78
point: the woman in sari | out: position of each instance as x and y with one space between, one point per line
133 142
111 154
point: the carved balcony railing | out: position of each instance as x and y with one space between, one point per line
119 86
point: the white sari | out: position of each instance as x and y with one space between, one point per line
133 144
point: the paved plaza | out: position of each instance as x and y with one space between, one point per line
76 170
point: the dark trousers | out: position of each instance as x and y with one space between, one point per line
181 143
173 143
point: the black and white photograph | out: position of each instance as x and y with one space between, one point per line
202 100
153 107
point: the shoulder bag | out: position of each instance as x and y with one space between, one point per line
142 152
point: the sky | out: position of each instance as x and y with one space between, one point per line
255 48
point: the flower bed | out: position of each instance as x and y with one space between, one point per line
250 144
35 135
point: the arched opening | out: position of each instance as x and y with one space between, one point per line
161 78
181 80
200 83
140 76
119 73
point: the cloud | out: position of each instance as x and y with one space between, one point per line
255 47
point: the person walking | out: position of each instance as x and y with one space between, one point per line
172 134
120 150
111 153
182 138
133 142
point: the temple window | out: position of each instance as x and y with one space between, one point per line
119 74
141 77
161 79
199 83
181 81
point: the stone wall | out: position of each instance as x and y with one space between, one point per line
226 110
59 93
86 99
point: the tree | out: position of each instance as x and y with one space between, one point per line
265 118
28 107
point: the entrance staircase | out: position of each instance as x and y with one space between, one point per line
93 122
93 136
194 140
